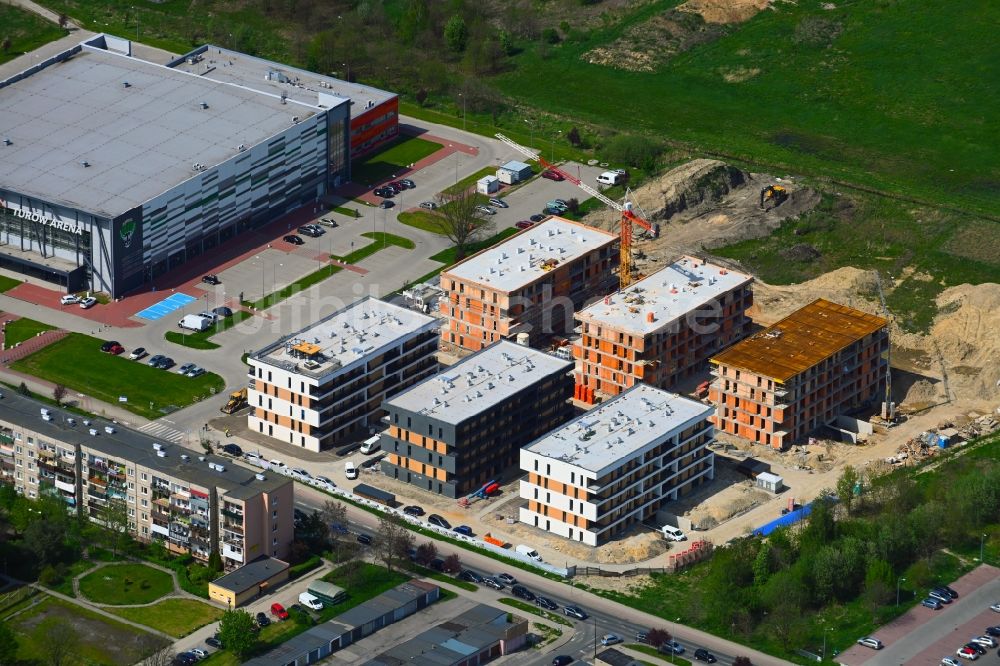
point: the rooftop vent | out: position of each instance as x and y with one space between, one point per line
7 141
295 119
204 105
185 456
161 454
260 477
93 432
84 163
126 84
158 446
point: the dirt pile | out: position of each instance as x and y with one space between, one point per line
726 11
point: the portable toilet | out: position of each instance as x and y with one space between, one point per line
488 185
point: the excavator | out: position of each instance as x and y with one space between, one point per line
237 401
773 193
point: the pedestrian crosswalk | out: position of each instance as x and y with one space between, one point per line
162 431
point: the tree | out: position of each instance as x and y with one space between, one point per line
334 516
636 151
150 651
846 484
8 646
58 393
63 21
215 561
314 532
114 517
421 96
506 43
22 389
456 34
452 564
5 45
426 552
392 541
657 637
57 640
573 136
46 539
236 632
742 661
462 223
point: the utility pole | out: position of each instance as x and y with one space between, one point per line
898 581
888 409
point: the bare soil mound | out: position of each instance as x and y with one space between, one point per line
726 11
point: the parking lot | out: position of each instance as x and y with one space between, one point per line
922 637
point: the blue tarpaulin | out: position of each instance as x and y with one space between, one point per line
789 518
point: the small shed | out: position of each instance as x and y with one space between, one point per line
514 172
770 482
326 592
487 185
373 493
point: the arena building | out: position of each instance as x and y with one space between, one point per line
115 170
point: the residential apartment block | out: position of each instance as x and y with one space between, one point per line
327 382
782 383
190 503
616 465
531 283
453 433
662 328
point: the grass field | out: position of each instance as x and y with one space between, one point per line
535 610
177 617
26 31
77 362
121 584
470 180
653 652
379 241
8 283
421 219
201 339
20 330
101 641
894 101
392 161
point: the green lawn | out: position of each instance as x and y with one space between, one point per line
421 219
200 339
177 617
379 241
653 652
121 584
470 180
26 31
392 161
349 212
101 640
535 610
424 572
77 362
20 330
7 283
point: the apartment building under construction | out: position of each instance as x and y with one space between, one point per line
822 361
661 329
531 283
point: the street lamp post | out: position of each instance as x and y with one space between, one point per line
531 132
982 544
595 637
552 146
825 629
463 109
898 581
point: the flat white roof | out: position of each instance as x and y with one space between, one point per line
529 255
670 293
604 436
356 332
478 382
228 66
138 141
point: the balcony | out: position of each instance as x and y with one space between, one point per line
234 528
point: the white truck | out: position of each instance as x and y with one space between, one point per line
611 178
528 552
310 601
371 445
196 322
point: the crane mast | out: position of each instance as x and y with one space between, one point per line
628 215
888 409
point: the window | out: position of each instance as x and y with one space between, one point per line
274 514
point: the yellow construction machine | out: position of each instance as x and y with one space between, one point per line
237 401
776 194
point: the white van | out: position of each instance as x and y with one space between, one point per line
195 322
310 601
671 533
528 551
350 470
610 178
371 445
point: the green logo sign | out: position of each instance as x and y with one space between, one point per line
126 232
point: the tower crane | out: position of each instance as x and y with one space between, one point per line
888 408
626 209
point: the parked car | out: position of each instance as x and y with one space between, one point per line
365 539
486 210
972 645
198 652
323 482
112 347
137 353
948 661
642 636
299 473
429 205
967 653
870 642
328 222
611 639
383 192
944 589
88 302
222 312
506 579
437 564
155 360
386 203
187 367
552 211
537 217
166 363
69 299
552 175
941 596
701 654
211 279
575 612
521 592
213 641
557 204
293 239
985 641
350 470
279 611
311 231
263 620
546 603
993 631
395 186
196 371
277 466
435 519
407 183
399 184
494 583
524 224
470 576
562 660
995 608
671 647
499 203
232 449
463 529
931 603
413 510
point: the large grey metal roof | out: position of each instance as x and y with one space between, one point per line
251 574
139 140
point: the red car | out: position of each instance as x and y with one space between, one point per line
279 611
524 224
552 175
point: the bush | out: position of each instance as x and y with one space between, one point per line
50 576
550 36
635 151
305 567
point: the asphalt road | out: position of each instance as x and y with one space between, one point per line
611 617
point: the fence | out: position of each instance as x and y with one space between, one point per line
698 551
